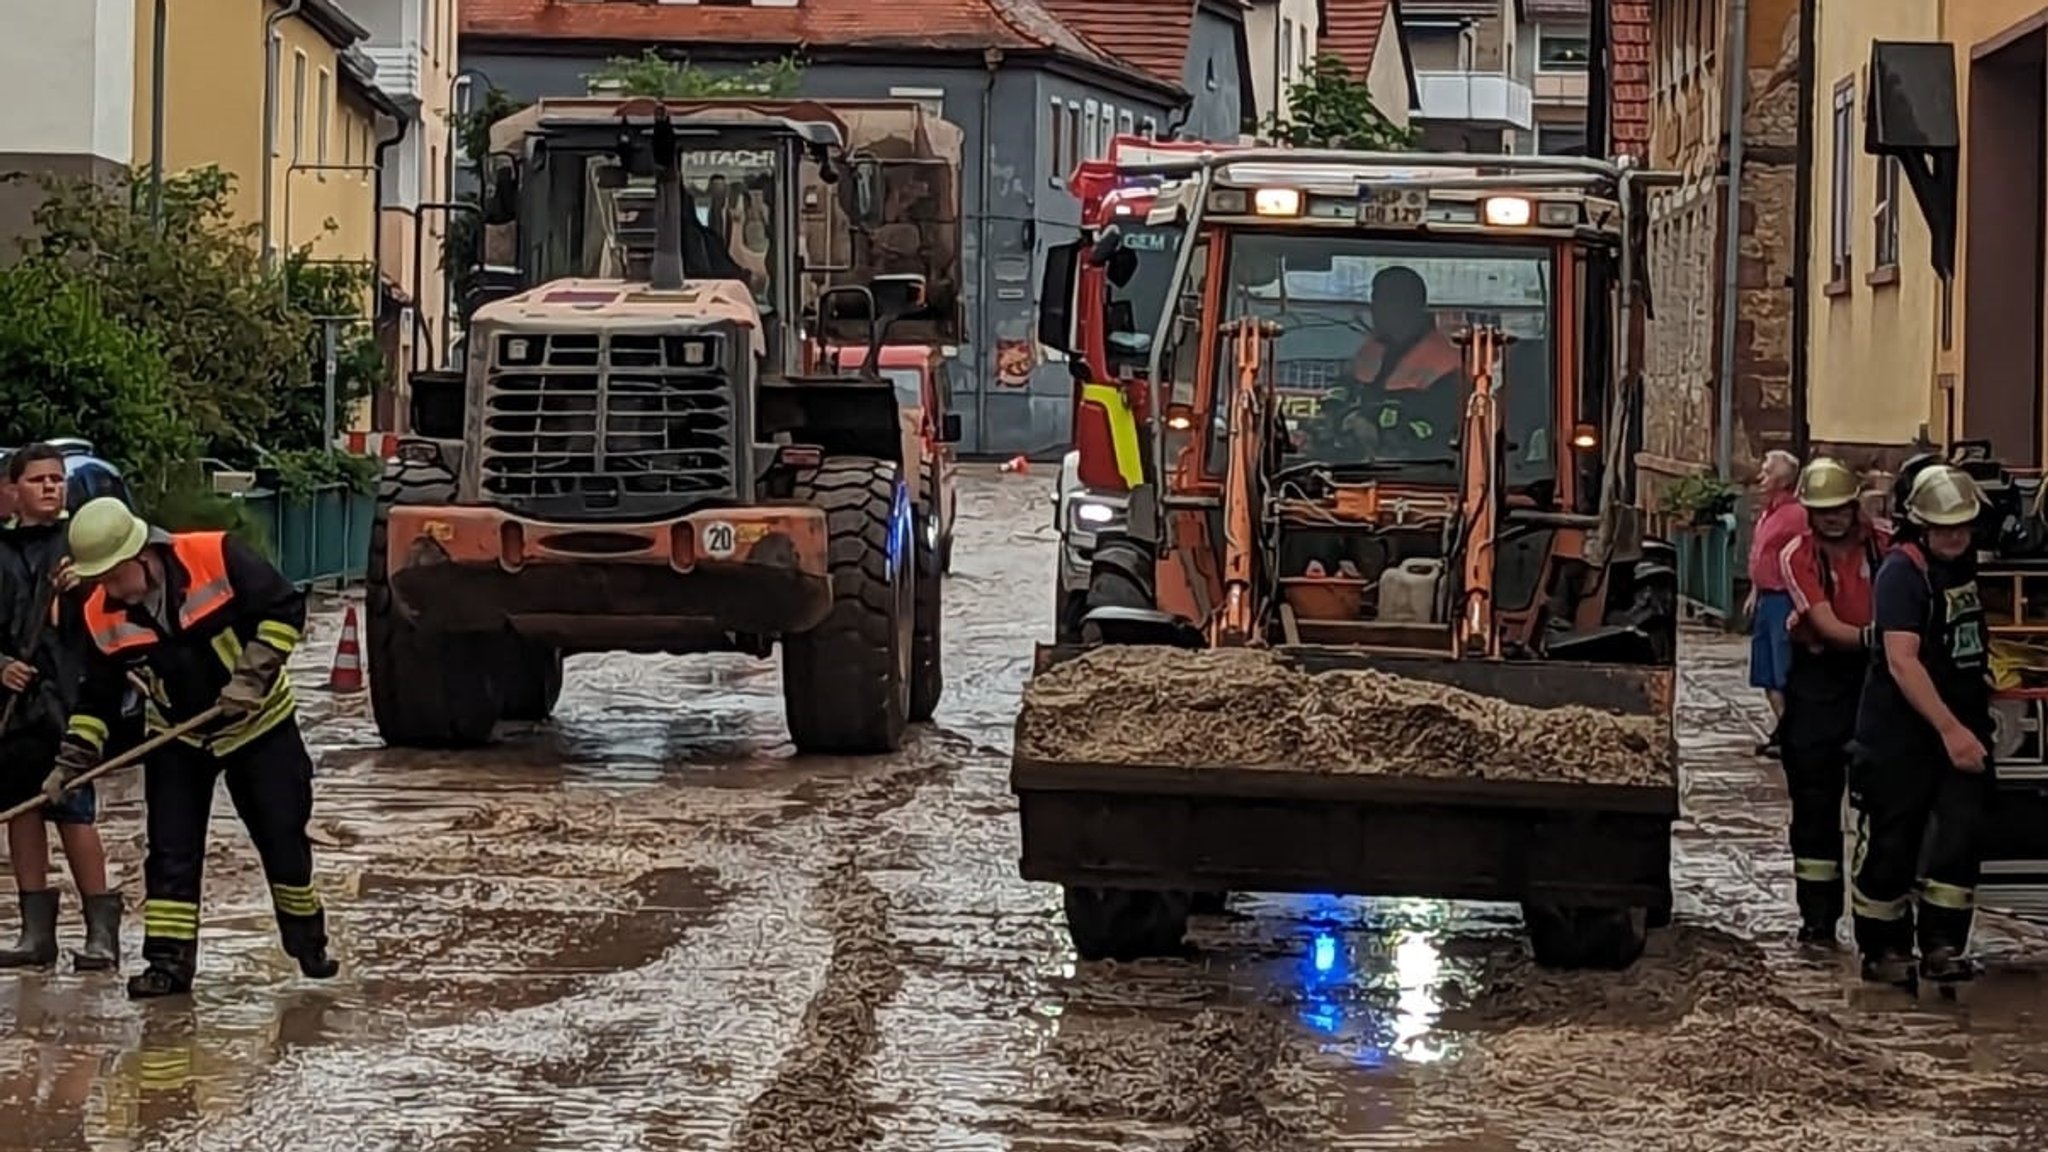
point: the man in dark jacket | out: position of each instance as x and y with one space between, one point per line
39 667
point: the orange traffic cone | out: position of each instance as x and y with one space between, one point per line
1018 464
347 674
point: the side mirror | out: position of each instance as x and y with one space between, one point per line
1122 265
949 429
1056 296
501 204
1108 244
897 294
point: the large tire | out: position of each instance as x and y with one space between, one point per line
1562 936
426 690
1126 923
927 655
1067 614
533 681
1112 586
846 683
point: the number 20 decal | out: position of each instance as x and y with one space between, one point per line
721 540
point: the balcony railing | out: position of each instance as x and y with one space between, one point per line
1482 98
398 67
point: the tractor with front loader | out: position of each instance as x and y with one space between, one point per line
653 445
1447 498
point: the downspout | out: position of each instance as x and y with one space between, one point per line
271 62
1733 57
984 344
1802 235
377 224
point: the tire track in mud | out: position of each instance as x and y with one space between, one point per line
818 1100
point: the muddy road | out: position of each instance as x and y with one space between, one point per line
644 926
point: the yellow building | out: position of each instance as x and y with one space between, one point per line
1995 359
1872 291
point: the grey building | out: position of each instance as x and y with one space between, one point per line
1036 85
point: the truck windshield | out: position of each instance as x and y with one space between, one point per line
598 227
1134 308
1365 362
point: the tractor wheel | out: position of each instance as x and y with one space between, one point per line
427 690
846 683
1067 614
1113 585
927 655
1126 923
533 680
1564 936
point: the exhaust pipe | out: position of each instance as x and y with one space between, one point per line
666 271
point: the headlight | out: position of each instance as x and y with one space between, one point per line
1089 512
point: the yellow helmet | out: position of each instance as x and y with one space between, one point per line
1828 483
103 535
1943 497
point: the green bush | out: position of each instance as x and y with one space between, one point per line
188 503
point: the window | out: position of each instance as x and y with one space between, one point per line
1056 143
1561 139
1074 137
933 99
1108 128
324 93
1286 51
1151 129
1885 253
276 67
1563 51
298 107
1843 184
1091 140
1126 123
433 18
1307 60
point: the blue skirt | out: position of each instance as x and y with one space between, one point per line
1770 641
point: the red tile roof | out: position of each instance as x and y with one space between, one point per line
1152 34
1017 25
1351 31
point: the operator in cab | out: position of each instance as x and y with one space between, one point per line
207 624
1829 571
1921 780
1409 378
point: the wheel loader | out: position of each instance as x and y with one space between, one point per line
659 441
1331 476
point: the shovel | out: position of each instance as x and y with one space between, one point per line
44 599
122 761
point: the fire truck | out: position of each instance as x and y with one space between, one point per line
1118 297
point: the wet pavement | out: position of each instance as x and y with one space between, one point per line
646 926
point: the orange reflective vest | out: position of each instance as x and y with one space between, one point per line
203 556
1427 361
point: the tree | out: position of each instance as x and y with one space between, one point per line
652 74
1328 107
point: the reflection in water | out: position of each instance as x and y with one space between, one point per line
1416 967
1384 1006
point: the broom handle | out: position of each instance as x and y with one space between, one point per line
44 599
122 761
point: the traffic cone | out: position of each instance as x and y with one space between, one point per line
347 674
1018 464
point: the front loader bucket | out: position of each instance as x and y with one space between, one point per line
1351 721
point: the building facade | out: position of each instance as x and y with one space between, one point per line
1469 97
1035 85
1720 324
67 74
1367 36
1554 56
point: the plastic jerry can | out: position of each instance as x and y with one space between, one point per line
1408 593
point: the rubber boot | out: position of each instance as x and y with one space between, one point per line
1889 967
1820 912
171 964
102 951
37 947
1945 965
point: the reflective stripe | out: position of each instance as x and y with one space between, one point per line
1123 429
1821 870
1421 429
163 1069
1936 894
115 634
170 919
1886 910
87 730
295 899
279 635
1390 417
203 556
277 707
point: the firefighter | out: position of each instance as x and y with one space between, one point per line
1828 571
1921 780
204 621
1409 376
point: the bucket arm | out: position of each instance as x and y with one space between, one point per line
1233 623
1479 493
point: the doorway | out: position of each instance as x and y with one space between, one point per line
2006 205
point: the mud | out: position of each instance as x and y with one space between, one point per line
1245 708
646 926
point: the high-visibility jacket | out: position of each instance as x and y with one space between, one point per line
1420 390
219 596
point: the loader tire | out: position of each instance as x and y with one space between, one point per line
427 690
1126 923
1565 936
533 681
927 650
1113 583
846 683
1068 610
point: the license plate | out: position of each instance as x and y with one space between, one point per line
1392 207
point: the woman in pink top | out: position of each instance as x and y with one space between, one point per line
1779 519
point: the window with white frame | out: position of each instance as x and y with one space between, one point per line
1091 127
1306 57
323 94
933 99
1885 251
1056 142
277 94
1842 181
298 107
1075 141
1286 51
1108 128
1126 123
1563 49
1149 128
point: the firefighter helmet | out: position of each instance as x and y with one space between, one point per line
105 534
1827 483
1944 497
